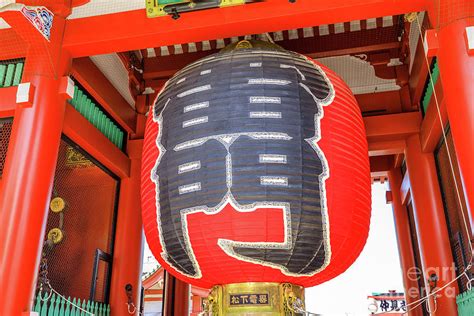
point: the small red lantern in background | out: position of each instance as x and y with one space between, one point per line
255 169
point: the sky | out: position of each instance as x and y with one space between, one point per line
376 270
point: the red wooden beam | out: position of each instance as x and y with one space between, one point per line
94 81
361 49
153 299
7 101
132 30
388 147
153 292
379 166
392 127
431 130
89 138
379 103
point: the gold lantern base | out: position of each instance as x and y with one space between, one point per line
255 298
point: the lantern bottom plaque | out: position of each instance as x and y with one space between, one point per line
255 298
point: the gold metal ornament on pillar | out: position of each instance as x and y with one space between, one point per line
255 298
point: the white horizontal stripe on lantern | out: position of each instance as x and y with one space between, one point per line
196 106
279 82
205 72
263 99
190 166
193 187
181 80
195 121
269 158
273 115
195 90
254 65
274 181
270 135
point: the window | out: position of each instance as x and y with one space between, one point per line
81 220
453 205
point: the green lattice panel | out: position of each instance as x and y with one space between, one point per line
89 109
10 73
429 87
466 303
55 305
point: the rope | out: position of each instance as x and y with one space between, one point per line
65 299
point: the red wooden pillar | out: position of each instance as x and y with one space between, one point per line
128 248
405 245
197 305
26 189
456 66
431 225
175 296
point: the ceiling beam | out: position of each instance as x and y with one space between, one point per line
314 47
132 30
380 165
385 128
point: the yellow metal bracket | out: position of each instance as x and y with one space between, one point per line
228 3
156 8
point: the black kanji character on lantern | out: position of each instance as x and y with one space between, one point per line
244 128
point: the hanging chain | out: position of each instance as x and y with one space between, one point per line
44 285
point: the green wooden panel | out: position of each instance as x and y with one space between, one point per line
52 302
73 307
62 308
3 72
89 110
37 307
18 74
9 75
68 307
429 88
83 308
96 308
79 100
108 128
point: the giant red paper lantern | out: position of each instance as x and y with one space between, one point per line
255 169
